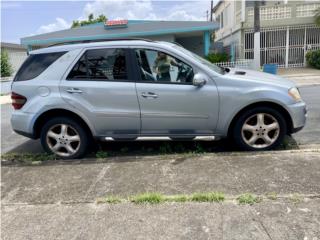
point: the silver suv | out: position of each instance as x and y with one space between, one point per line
70 95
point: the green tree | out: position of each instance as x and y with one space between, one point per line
75 24
91 20
90 17
6 68
317 17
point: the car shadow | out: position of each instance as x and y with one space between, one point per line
29 146
125 151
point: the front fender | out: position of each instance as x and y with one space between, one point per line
233 102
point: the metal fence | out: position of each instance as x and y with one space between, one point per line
240 63
285 46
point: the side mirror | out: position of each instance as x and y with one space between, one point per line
199 80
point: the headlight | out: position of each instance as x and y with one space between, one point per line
294 93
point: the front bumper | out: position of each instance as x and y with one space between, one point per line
298 113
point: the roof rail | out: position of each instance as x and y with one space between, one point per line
101 40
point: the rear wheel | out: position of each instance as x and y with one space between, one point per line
261 128
65 138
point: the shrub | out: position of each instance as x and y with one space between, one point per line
217 57
313 58
6 69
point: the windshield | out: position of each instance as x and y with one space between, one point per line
202 60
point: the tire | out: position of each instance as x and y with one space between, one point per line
60 135
249 134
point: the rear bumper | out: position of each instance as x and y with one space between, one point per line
25 134
298 113
22 123
294 130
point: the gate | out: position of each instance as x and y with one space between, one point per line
285 46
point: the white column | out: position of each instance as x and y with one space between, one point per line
256 51
287 48
243 10
304 46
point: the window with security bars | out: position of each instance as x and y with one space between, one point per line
307 10
271 13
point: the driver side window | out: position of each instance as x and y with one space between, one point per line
159 67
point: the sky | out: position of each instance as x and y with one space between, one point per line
25 18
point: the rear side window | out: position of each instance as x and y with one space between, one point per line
35 64
101 64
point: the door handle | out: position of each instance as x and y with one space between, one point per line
74 90
149 95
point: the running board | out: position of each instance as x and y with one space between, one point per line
197 138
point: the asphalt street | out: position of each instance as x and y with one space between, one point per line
308 136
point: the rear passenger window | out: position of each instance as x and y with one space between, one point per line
101 64
35 64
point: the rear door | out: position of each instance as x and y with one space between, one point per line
100 85
170 104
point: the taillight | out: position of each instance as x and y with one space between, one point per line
18 100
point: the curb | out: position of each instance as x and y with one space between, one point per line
93 160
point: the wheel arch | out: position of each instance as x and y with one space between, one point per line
273 105
58 112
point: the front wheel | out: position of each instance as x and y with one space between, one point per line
261 128
65 138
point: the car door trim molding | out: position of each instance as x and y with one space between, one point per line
117 114
169 115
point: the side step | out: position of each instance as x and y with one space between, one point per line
197 138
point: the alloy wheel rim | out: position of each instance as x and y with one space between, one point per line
63 140
260 130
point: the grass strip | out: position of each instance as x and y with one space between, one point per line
208 197
151 198
248 198
156 198
28 157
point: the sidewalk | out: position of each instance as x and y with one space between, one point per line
301 76
283 172
276 220
58 200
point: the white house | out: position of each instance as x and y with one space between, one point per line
287 30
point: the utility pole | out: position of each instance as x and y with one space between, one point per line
207 13
256 24
211 10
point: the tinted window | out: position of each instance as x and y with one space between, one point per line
35 64
156 66
79 70
101 64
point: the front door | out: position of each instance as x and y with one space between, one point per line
101 87
169 103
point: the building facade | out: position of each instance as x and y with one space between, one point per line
287 30
193 35
16 53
